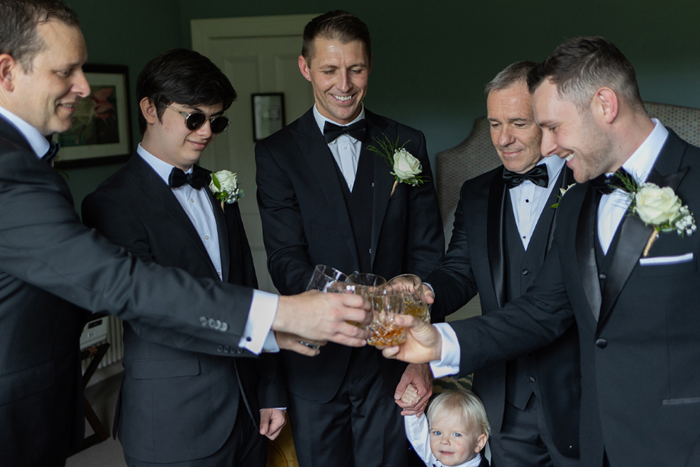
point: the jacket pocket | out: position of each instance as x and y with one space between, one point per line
683 401
16 386
165 368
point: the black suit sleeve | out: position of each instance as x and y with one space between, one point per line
526 324
453 279
425 240
288 259
43 243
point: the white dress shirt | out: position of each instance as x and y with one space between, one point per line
610 212
418 433
529 200
345 149
199 210
613 207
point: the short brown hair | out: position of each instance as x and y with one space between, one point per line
336 25
18 22
581 66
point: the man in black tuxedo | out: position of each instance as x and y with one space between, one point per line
330 201
144 208
636 310
49 261
503 230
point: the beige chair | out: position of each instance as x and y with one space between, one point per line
685 121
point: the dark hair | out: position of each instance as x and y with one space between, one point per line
513 73
335 25
581 66
185 77
18 22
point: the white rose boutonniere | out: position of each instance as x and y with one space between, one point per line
659 207
406 168
563 192
224 186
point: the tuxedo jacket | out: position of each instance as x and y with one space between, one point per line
475 263
48 258
167 410
305 222
639 325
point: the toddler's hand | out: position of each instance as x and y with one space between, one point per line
410 395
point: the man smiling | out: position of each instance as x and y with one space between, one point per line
533 401
325 199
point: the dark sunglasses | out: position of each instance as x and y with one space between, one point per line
195 120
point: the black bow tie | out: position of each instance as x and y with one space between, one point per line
51 153
537 175
331 131
196 179
607 184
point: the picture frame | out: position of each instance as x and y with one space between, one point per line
268 114
101 130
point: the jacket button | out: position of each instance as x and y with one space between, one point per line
602 276
525 272
224 326
203 320
227 349
218 324
219 348
602 343
212 323
532 379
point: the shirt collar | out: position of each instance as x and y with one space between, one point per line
642 160
36 140
161 167
321 120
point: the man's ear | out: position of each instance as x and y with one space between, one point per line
304 67
148 110
606 104
8 68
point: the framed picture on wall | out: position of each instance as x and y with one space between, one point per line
268 114
101 131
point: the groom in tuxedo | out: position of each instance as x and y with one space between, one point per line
504 227
633 294
324 198
160 208
50 261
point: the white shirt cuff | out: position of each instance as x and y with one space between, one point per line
449 361
258 334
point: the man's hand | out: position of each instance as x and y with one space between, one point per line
321 317
403 283
271 422
293 342
414 389
423 342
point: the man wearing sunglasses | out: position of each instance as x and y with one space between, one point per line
160 208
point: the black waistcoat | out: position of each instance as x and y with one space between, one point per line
359 206
521 268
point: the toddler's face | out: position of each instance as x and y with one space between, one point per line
453 441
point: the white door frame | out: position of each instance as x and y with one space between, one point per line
205 30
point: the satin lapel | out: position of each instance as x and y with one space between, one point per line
634 234
567 178
495 217
163 196
383 180
585 251
222 231
315 151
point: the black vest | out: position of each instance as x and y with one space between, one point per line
521 268
359 206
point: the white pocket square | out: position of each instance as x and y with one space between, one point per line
665 260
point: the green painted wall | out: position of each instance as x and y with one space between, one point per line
431 59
